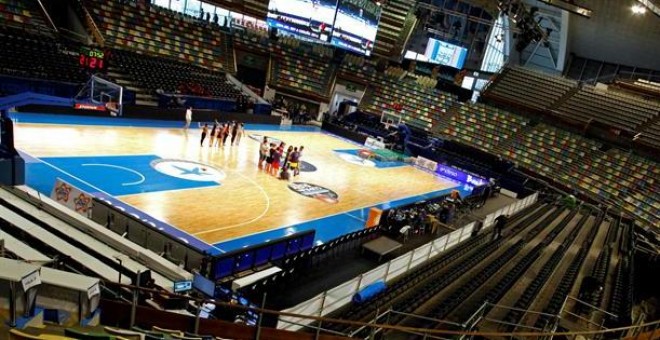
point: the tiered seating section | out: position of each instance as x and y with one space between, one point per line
420 107
617 109
651 135
30 56
614 175
529 88
172 76
542 259
643 176
301 69
563 98
427 81
256 41
356 67
158 31
548 150
23 13
482 126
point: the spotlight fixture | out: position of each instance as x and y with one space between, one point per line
525 21
638 9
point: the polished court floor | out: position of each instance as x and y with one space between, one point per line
219 194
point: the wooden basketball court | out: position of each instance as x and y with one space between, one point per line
247 201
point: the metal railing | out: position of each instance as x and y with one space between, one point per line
379 324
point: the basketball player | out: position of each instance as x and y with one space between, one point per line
240 133
188 118
276 155
293 161
218 135
225 133
285 159
236 127
263 152
205 130
213 132
269 158
221 134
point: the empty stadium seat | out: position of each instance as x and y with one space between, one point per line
529 88
39 57
24 14
420 107
171 76
482 126
157 31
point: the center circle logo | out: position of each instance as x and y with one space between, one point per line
188 170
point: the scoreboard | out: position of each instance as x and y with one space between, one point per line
93 59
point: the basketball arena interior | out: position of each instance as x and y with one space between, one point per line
329 169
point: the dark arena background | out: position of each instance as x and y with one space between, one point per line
329 169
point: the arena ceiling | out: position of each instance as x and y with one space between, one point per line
611 17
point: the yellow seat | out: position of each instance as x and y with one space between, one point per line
15 334
167 331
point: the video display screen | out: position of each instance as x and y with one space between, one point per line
307 18
444 53
356 25
182 286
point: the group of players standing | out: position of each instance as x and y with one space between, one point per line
220 132
278 161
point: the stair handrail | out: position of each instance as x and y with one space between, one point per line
43 9
91 24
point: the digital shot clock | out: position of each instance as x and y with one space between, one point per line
93 58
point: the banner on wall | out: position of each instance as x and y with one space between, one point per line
459 175
72 197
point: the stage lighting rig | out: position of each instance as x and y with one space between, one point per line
569 5
523 18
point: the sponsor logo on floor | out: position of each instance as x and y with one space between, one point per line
314 191
306 166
